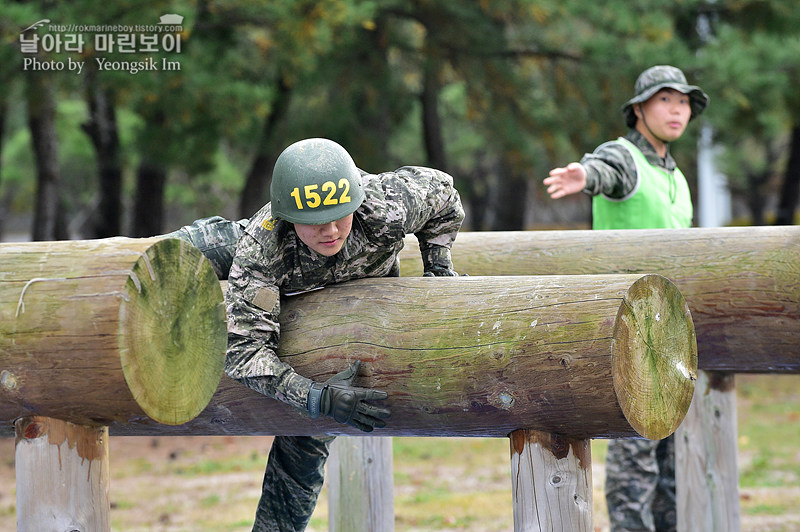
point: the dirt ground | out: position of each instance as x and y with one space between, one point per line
213 484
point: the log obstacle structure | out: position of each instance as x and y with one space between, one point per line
94 333
743 289
591 356
585 356
740 284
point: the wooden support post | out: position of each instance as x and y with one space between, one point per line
62 476
706 471
360 485
551 482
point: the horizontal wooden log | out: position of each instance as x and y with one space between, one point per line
585 356
98 331
742 283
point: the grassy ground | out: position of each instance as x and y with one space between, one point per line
213 484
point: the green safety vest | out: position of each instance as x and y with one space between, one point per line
660 200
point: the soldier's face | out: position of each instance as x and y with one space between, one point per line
667 113
325 239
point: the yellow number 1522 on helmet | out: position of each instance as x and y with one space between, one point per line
315 181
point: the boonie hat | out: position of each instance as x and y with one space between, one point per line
660 77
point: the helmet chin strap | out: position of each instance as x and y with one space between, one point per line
644 121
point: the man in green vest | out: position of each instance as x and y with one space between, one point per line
635 184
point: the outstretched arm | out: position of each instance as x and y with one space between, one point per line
565 181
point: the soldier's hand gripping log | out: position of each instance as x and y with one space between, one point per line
337 398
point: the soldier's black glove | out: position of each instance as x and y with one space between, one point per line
437 271
436 261
345 403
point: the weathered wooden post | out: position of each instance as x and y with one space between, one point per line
741 286
360 487
62 476
94 333
551 482
703 442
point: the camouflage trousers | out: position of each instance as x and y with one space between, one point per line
640 485
292 482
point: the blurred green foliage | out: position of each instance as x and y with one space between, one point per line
496 93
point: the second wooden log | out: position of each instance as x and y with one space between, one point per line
584 356
741 282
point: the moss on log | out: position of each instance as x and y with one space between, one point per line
741 283
100 331
584 356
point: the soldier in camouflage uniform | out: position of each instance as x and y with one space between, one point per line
328 222
635 184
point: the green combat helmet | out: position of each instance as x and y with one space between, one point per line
660 77
315 181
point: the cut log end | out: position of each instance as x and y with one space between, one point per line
172 332
654 357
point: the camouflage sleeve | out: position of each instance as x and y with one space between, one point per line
253 304
216 238
610 171
433 212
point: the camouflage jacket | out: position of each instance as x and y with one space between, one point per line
271 261
610 169
216 237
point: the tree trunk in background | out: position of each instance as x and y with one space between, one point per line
3 202
380 119
431 123
148 209
755 196
48 221
254 194
102 130
790 190
508 199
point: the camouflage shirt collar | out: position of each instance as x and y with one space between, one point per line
355 240
667 162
